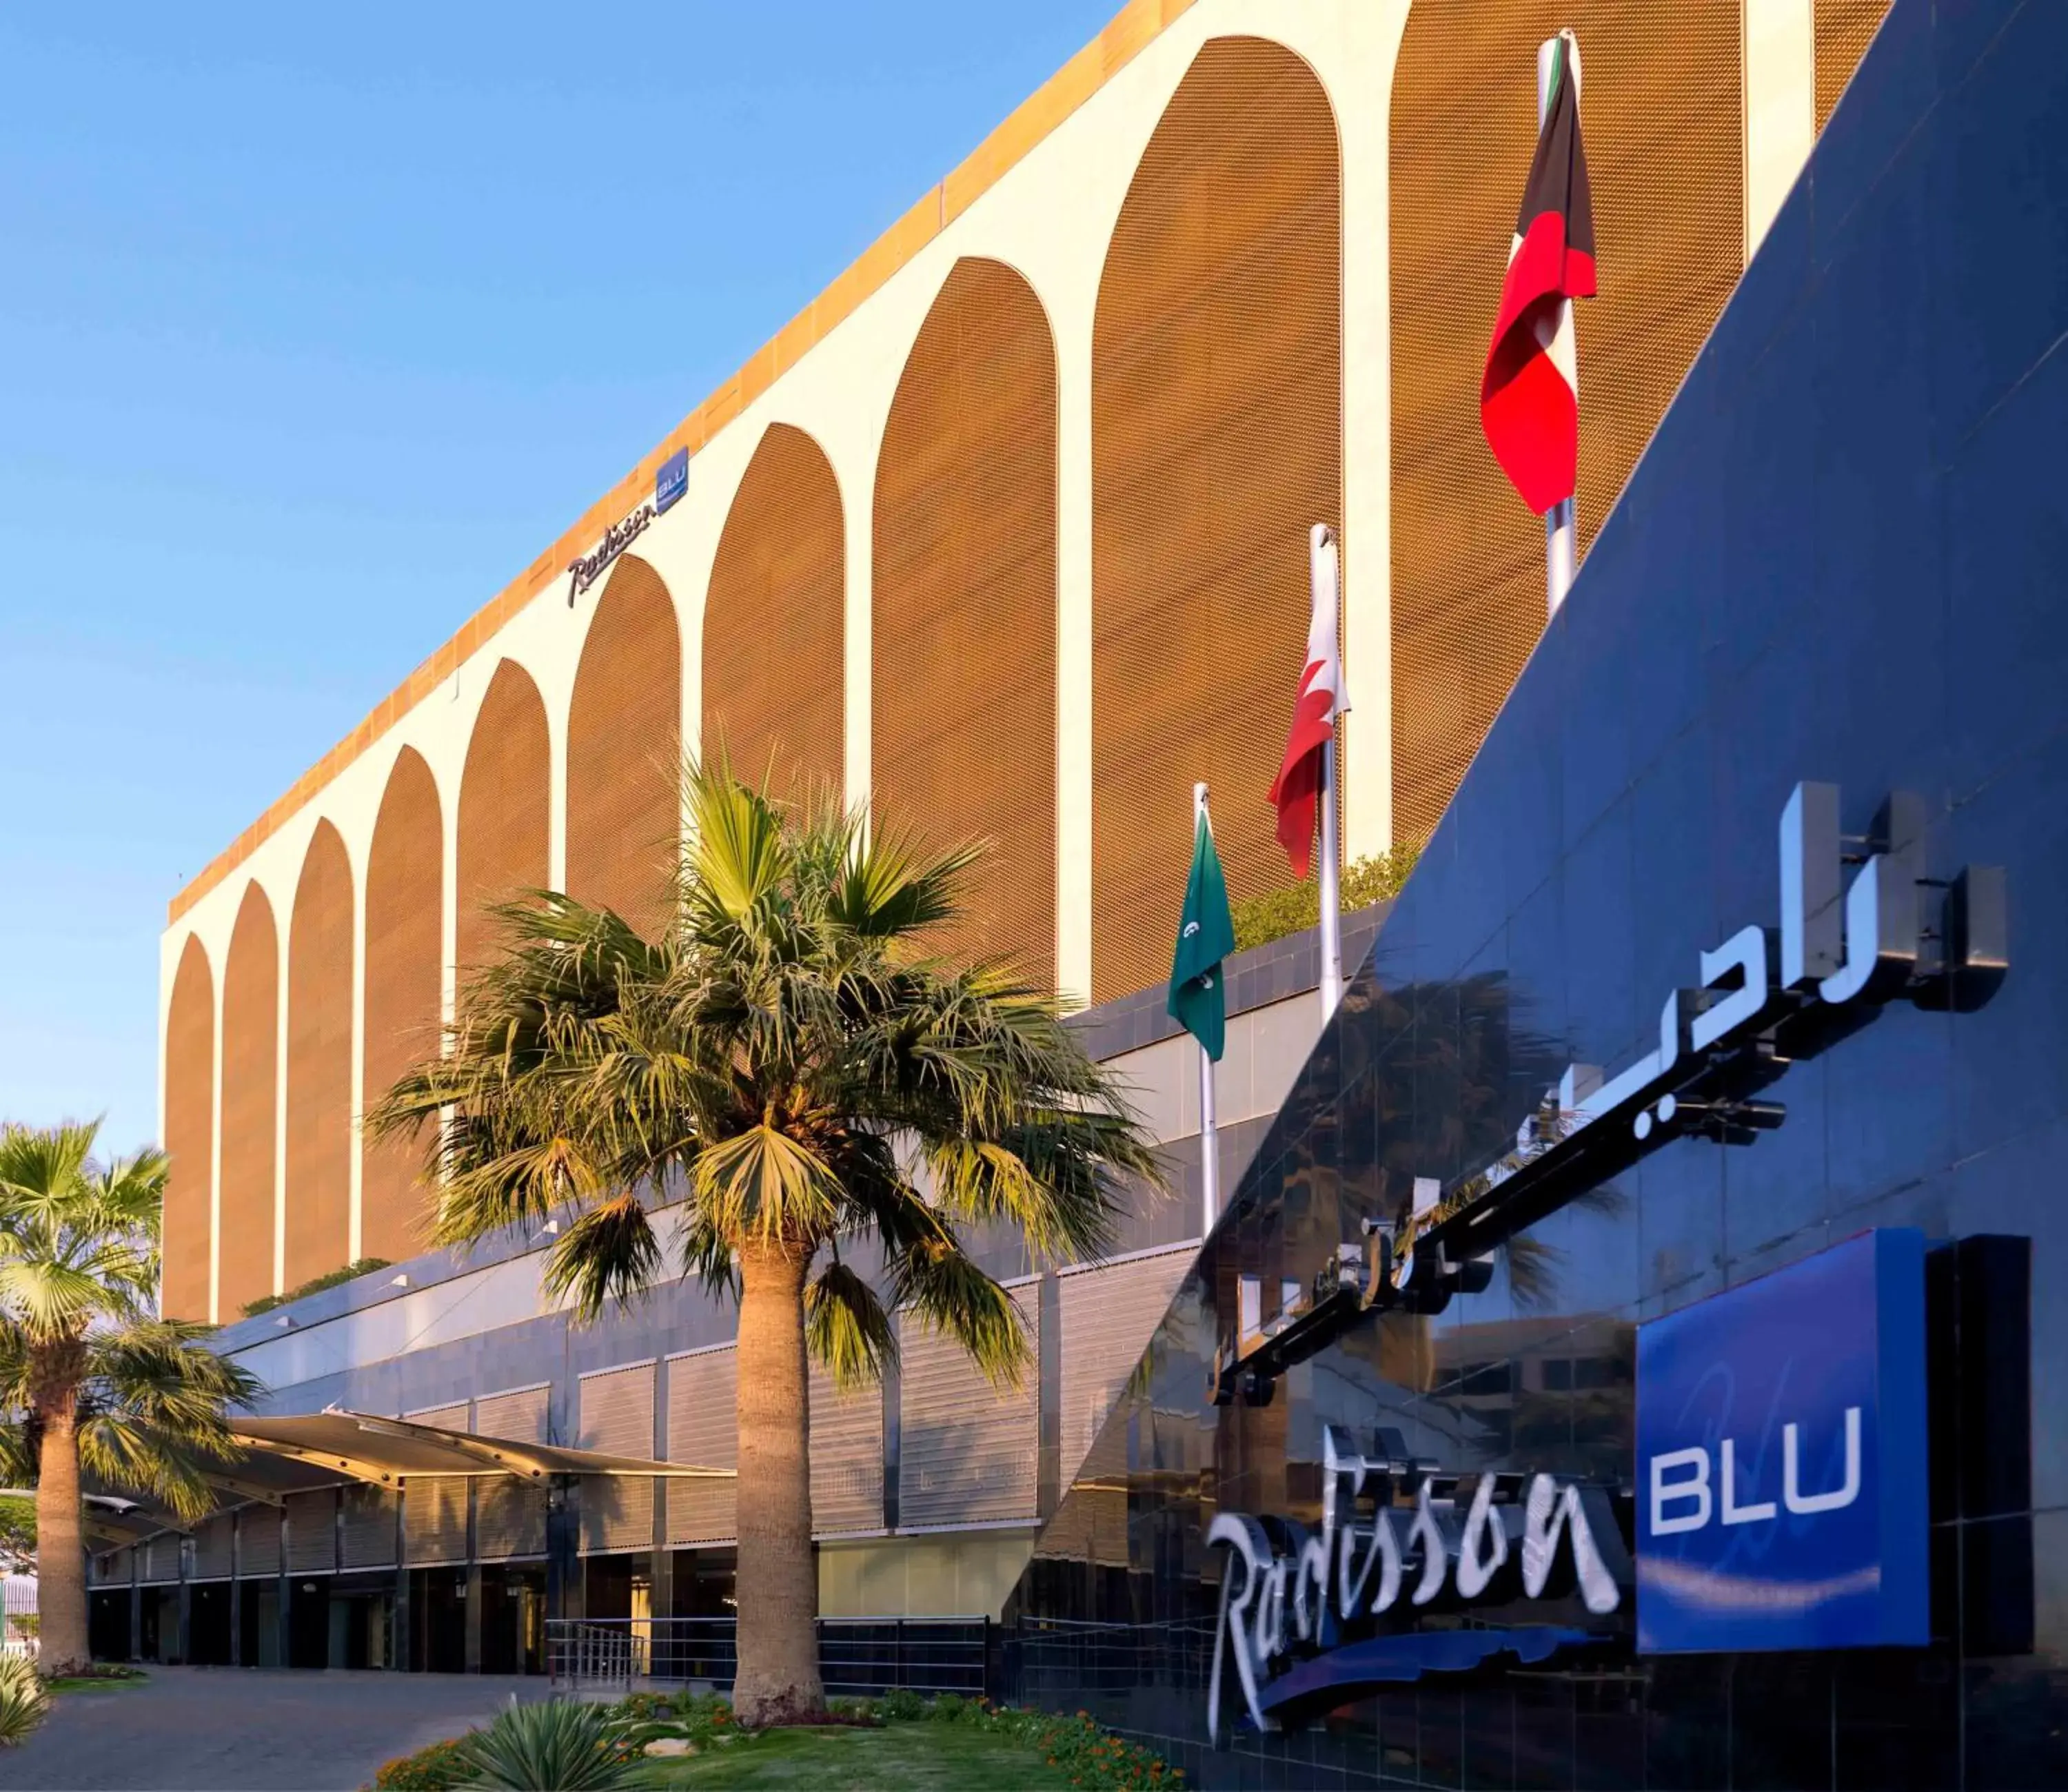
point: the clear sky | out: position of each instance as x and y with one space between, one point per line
317 325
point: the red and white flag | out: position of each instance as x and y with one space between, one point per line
1529 395
1321 700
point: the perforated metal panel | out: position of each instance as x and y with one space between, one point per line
624 735
967 1449
775 620
212 1547
1216 445
1844 29
1107 1317
404 885
250 1068
312 1531
617 1417
368 1528
189 1135
257 1543
964 561
704 1428
509 1518
847 1457
519 1416
1661 102
319 971
504 795
435 1519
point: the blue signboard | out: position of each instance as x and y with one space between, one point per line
1781 1439
672 481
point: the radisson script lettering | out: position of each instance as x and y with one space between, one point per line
584 572
1517 1537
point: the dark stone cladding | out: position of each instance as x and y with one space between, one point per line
1841 559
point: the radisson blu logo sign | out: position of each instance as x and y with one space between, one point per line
1781 1459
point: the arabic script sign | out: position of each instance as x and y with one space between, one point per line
1291 1619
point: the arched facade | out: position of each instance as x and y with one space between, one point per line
1216 444
1665 141
319 1135
189 1135
504 845
250 1084
405 913
775 620
624 749
963 676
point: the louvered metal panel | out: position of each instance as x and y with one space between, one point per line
775 620
963 591
617 1416
318 1131
250 1061
1844 29
113 1568
1662 104
189 1135
450 1417
968 1450
704 1428
368 1539
520 1416
509 1518
504 800
404 923
211 1547
1108 1316
160 1563
257 1543
312 1531
625 725
847 1457
1216 445
434 1518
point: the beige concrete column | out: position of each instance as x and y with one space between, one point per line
1780 107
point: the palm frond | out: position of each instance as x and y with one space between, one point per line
950 1293
847 1328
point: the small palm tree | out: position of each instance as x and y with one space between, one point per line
90 1377
788 1060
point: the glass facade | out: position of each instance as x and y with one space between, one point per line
1840 560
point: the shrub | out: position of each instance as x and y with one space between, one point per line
555 1746
440 1768
363 1266
1275 913
24 1702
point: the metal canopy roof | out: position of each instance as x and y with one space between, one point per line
364 1446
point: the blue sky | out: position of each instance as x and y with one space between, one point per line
318 324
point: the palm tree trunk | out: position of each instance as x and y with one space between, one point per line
60 1564
778 1589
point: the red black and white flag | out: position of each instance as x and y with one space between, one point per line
1320 701
1529 395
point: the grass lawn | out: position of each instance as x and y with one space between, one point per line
93 1683
900 1757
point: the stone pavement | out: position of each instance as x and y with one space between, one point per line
197 1729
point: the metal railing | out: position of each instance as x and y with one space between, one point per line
858 1657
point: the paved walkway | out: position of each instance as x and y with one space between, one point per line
192 1729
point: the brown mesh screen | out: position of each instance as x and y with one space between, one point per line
963 685
250 1071
503 797
320 1062
624 734
404 891
1216 444
1661 103
1844 29
189 1135
774 665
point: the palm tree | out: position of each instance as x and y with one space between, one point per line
90 1377
788 1060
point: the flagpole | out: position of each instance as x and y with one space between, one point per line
1210 1160
1323 571
1560 529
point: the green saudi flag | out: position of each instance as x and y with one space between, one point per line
1205 936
